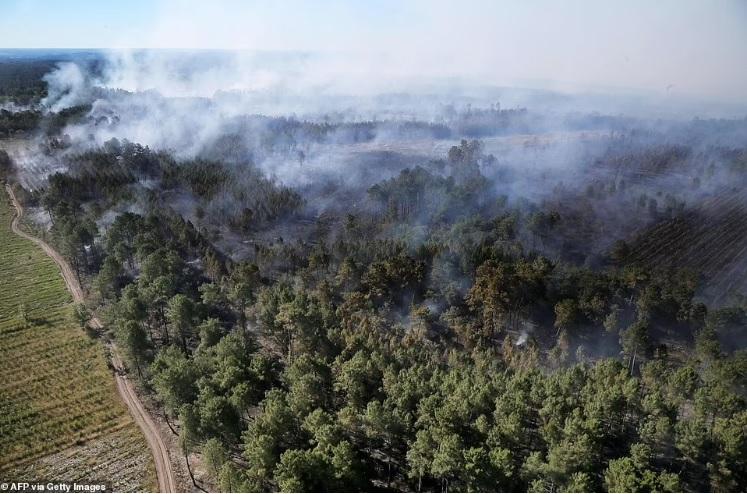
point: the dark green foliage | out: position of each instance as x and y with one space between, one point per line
54 123
19 122
21 80
6 165
203 178
421 195
419 346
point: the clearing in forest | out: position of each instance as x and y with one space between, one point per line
60 416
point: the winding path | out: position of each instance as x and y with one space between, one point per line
164 471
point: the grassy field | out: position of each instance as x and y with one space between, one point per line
60 415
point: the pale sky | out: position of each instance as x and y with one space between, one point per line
695 47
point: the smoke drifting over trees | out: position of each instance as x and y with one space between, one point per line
450 286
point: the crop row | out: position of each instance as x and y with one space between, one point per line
57 395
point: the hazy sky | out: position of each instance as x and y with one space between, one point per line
695 47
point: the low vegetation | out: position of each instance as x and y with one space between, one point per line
60 416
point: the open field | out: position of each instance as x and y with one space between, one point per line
60 416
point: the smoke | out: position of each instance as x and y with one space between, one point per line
523 337
325 124
667 48
13 107
197 74
304 120
186 101
184 126
68 85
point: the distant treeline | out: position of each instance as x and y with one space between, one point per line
21 80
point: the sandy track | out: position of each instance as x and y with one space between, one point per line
164 471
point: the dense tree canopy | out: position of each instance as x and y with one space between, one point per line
441 339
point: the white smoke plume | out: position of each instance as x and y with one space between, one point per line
67 86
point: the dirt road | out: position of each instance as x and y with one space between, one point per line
164 471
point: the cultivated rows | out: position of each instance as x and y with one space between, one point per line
60 416
711 239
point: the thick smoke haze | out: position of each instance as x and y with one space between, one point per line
187 102
377 107
181 100
669 49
